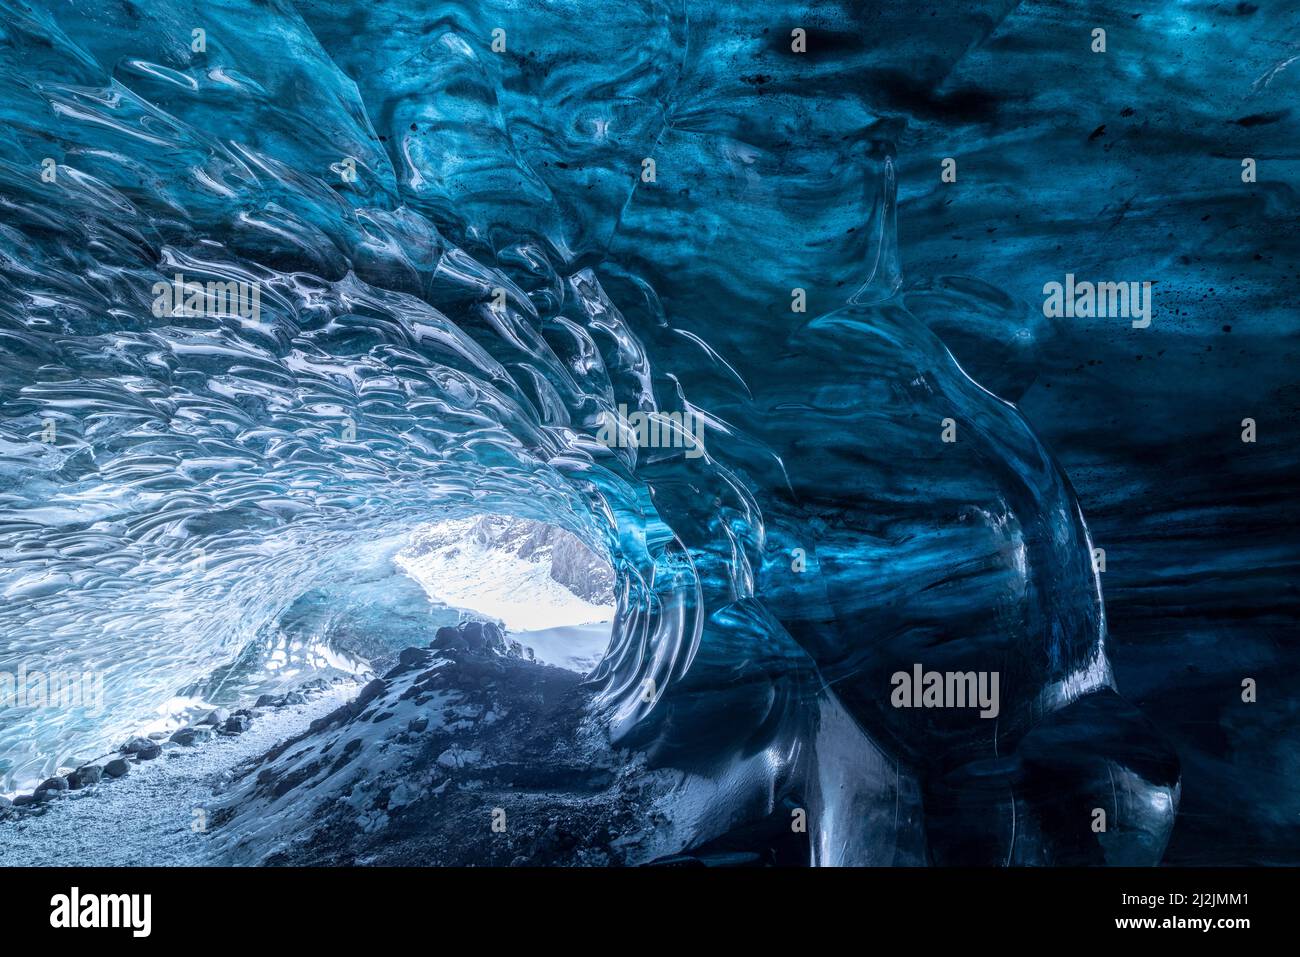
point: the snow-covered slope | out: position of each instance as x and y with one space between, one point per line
544 585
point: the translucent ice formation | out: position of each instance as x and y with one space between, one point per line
459 243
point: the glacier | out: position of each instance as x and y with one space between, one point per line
456 240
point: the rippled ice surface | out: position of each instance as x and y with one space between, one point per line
457 263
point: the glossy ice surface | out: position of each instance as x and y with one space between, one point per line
475 232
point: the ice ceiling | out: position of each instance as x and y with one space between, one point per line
463 263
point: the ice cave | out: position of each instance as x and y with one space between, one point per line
620 489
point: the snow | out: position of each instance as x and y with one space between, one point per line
575 647
148 818
456 567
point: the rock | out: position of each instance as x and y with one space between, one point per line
418 724
493 639
215 718
472 632
117 768
408 659
368 694
157 735
23 800
341 713
191 736
267 701
293 697
143 749
5 803
413 656
448 639
236 724
57 784
84 777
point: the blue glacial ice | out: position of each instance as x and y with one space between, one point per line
466 260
